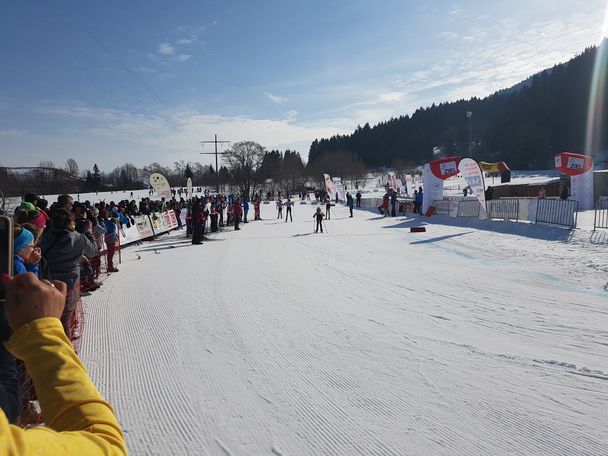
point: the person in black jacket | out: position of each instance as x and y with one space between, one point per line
318 216
62 248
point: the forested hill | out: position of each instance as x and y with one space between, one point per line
524 125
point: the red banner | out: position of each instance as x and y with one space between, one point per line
445 168
572 164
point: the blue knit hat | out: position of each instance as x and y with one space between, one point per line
24 239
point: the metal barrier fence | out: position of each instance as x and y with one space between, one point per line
504 208
468 208
600 219
557 212
442 207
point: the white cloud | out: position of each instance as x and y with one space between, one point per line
165 49
183 58
165 136
12 132
275 99
185 41
448 35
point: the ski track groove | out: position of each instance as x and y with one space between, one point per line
333 367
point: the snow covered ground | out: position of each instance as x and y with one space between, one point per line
483 339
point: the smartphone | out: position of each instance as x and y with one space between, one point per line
6 249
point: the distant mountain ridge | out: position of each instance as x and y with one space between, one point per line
524 125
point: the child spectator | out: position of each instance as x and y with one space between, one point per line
26 256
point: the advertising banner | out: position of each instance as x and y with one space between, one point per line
172 219
471 172
497 167
435 173
409 183
161 185
329 185
432 186
189 188
129 235
144 226
338 188
392 181
580 169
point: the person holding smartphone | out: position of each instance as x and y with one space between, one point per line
77 418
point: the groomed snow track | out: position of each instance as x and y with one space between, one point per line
368 340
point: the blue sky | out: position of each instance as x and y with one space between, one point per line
141 81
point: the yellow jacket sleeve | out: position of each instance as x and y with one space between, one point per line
78 420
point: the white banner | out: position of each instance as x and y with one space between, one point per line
144 226
409 184
161 185
581 189
129 235
189 187
329 185
471 172
433 188
338 188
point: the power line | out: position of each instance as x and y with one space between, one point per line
217 171
125 67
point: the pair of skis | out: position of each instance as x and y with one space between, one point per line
323 227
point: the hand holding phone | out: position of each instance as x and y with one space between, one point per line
29 298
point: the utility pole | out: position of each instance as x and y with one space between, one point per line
470 117
217 170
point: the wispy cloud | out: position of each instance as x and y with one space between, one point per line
12 132
166 136
185 41
165 49
274 98
183 58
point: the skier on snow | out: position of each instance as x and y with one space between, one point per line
318 215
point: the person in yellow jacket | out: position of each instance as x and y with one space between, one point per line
78 421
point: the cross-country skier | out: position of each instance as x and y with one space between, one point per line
288 205
279 209
319 218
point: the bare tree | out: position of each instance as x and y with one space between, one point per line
243 160
72 167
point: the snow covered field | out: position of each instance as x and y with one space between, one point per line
464 340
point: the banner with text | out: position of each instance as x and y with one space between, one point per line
471 172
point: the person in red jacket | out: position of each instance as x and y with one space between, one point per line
237 211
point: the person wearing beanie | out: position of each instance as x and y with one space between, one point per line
26 256
25 206
35 217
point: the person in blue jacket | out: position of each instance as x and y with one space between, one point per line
245 209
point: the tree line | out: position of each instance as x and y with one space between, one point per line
524 125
